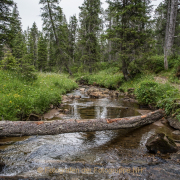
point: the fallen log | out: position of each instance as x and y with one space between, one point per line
28 128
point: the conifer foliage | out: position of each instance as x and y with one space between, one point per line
125 35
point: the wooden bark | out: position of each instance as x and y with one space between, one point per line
27 128
170 29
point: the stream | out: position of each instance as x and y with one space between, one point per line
101 155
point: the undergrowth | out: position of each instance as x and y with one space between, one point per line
19 97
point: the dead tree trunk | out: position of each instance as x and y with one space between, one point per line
27 128
170 29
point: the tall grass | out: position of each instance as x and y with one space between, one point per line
109 78
19 98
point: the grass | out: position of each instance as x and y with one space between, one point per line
108 78
19 98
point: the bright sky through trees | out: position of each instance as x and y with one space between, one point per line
30 10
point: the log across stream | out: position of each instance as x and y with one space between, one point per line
28 128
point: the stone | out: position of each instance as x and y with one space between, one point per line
177 132
51 106
82 90
2 165
60 110
92 89
95 94
161 143
176 156
71 96
33 117
64 98
173 122
106 91
77 97
66 111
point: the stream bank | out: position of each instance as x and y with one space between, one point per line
111 154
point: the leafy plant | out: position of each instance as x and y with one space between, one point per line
147 92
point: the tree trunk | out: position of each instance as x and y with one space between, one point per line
28 128
170 29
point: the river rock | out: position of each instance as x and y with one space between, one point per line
161 143
82 90
66 111
1 166
114 93
92 89
77 97
173 122
176 156
64 98
71 96
177 132
60 110
95 94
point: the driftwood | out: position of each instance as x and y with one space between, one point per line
27 128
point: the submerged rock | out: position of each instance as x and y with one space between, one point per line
173 122
1 166
161 143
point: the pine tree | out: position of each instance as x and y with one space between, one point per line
42 53
52 19
33 42
89 26
130 32
18 40
6 19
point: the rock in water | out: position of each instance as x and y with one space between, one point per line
1 166
162 143
175 123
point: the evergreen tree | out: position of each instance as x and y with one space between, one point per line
42 53
33 42
18 40
131 32
53 18
5 18
88 33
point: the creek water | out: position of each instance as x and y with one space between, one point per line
112 154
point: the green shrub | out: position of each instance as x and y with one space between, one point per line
147 92
167 104
155 63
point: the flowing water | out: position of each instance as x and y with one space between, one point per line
113 154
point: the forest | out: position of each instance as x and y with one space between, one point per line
127 45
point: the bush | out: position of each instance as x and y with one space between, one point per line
147 92
155 63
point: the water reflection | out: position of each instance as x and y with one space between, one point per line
88 108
